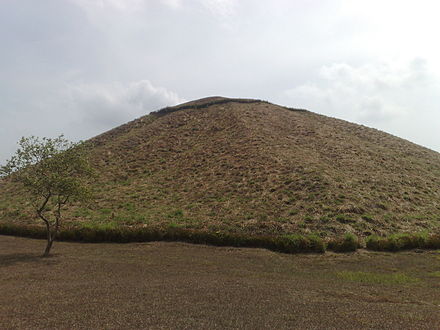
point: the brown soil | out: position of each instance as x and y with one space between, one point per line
175 285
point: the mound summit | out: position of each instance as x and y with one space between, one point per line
249 166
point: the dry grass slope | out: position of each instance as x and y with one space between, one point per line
251 167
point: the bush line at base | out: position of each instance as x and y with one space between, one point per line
285 244
399 242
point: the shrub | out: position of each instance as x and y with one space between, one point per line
432 242
109 233
287 244
298 243
373 242
406 241
391 243
24 231
349 243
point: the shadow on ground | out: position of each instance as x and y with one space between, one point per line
15 258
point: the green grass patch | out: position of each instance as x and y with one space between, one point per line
400 242
100 226
376 278
343 218
105 211
297 243
81 212
175 214
367 218
128 207
348 243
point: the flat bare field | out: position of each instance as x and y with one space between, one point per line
174 285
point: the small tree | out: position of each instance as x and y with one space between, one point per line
54 172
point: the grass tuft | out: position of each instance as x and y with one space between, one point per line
349 243
406 241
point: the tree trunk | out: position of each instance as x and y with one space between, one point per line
51 235
48 247
46 221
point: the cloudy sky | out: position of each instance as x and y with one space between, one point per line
81 67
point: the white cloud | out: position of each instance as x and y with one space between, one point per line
106 105
175 4
371 93
399 98
81 111
114 4
239 48
223 8
216 7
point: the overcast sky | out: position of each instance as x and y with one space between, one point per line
81 67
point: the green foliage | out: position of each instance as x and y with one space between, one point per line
54 167
308 218
367 218
105 211
325 219
82 212
342 218
173 225
53 172
399 242
113 233
432 242
349 243
24 231
309 243
176 214
100 226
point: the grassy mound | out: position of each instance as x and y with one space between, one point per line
251 168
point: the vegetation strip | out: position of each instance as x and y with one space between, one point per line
348 243
285 244
400 242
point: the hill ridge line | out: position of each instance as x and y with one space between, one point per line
96 140
167 110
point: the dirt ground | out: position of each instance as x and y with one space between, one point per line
174 285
